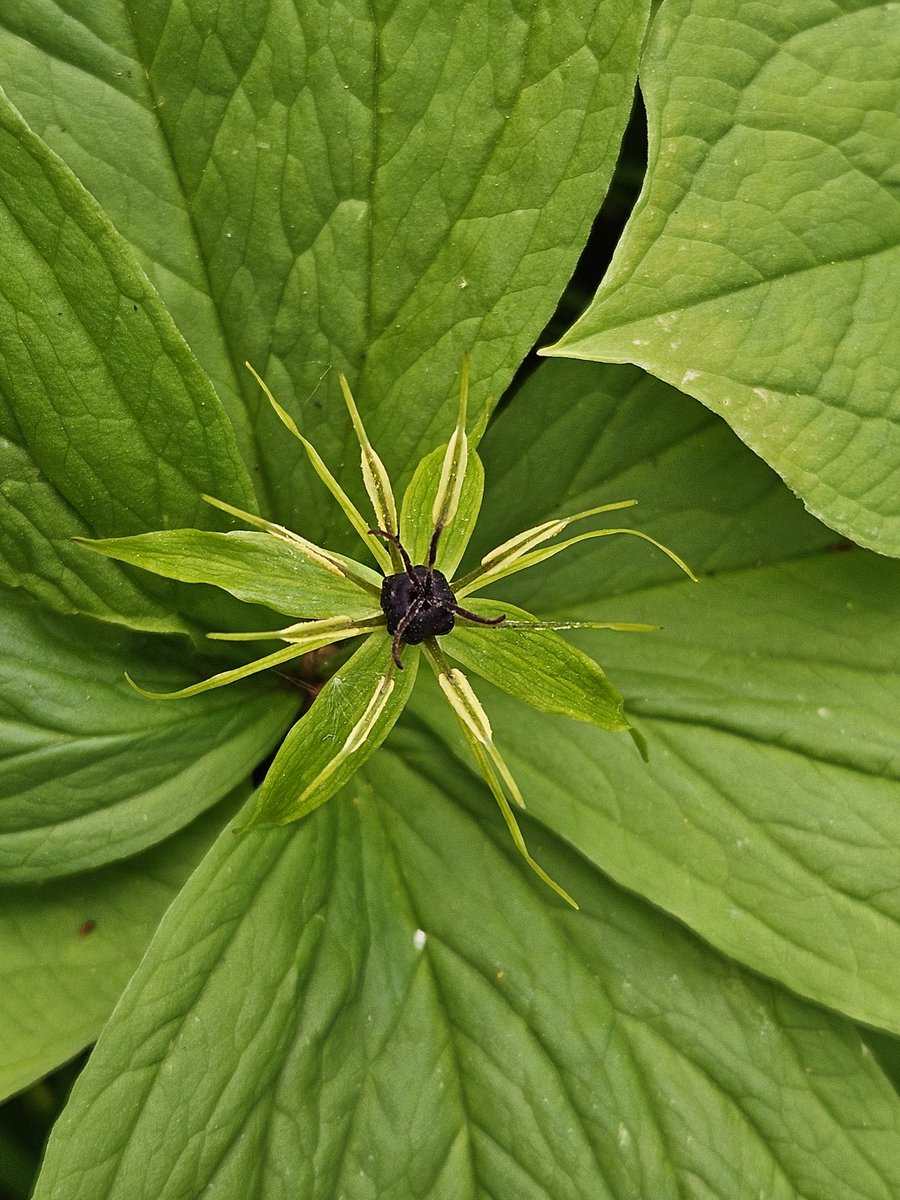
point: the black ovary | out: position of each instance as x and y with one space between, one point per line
423 601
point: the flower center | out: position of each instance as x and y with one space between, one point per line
418 604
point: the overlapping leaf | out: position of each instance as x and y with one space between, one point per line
91 772
69 946
38 555
766 815
759 271
357 190
418 1021
107 423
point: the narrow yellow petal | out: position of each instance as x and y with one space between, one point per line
453 469
466 704
285 654
375 477
504 559
349 509
366 722
354 740
302 631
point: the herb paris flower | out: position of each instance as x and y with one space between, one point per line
404 610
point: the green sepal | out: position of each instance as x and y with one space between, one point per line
259 568
337 564
416 523
535 665
349 720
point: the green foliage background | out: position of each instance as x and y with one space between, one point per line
380 1001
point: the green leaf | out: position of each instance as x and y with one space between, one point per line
91 70
351 717
401 1033
535 665
256 567
97 389
37 554
770 697
68 947
90 771
377 194
759 271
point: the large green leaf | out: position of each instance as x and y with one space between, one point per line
760 269
374 189
381 1002
89 770
766 818
69 946
37 553
103 408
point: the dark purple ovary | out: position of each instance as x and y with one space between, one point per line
422 601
